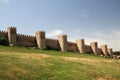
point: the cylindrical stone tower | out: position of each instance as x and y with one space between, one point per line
63 42
81 45
40 37
110 52
12 35
104 50
94 47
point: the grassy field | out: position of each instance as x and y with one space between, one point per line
20 63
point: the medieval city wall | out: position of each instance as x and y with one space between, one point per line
88 49
100 51
25 40
62 44
72 47
4 34
52 44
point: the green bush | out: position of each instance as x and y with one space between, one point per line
3 41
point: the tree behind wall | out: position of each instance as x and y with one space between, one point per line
3 41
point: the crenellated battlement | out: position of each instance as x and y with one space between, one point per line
40 41
3 34
12 29
22 37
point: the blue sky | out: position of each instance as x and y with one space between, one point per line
93 20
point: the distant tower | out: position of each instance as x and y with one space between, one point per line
104 50
100 51
63 42
110 52
94 47
40 37
81 45
12 35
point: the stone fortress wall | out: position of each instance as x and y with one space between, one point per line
4 34
62 44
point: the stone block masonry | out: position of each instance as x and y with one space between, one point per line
40 38
94 47
104 49
52 44
12 36
72 47
26 40
81 45
110 52
40 41
63 42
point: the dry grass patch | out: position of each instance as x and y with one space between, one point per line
106 78
80 59
9 75
21 70
34 56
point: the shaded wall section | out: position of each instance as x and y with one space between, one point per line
88 49
52 44
72 47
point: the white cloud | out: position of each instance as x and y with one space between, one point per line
87 37
116 32
111 38
5 1
54 33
